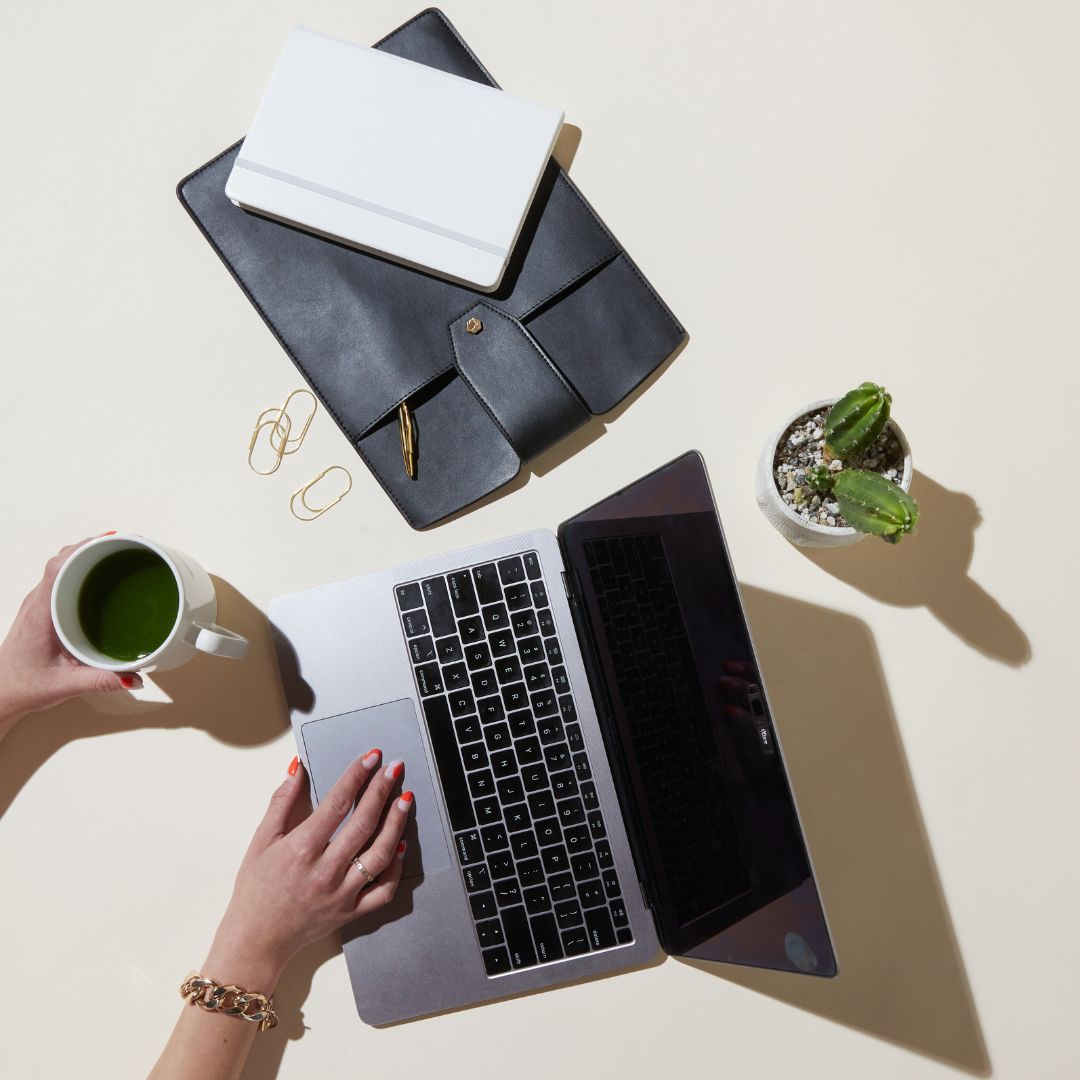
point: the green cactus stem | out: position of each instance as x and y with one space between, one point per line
819 478
873 504
856 420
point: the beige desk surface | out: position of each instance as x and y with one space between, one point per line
823 193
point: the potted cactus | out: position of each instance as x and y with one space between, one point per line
837 471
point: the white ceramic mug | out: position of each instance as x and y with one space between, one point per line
193 631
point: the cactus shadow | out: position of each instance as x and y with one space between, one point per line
931 570
901 974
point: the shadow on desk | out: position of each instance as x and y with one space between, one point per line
901 974
237 701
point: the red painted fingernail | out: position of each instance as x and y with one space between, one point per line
371 758
405 801
401 848
293 766
394 770
111 532
127 681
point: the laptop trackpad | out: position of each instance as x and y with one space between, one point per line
331 744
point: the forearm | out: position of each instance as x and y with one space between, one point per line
210 1046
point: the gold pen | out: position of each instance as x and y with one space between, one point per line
407 431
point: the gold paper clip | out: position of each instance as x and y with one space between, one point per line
407 431
318 511
288 441
280 421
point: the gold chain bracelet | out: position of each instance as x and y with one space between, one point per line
229 1000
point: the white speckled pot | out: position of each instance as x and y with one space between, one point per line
783 518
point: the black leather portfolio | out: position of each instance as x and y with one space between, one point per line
492 379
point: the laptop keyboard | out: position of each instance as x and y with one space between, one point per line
528 828
668 722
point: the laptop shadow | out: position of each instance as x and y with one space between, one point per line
239 702
901 977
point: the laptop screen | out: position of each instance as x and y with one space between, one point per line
688 727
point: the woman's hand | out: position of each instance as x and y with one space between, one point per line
36 671
296 885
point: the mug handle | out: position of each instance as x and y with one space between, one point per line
218 641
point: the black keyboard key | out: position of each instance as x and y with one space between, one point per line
486 579
517 817
568 913
571 812
503 763
521 723
422 649
567 709
462 703
438 605
501 865
415 623
530 872
557 757
462 594
532 565
477 655
515 696
618 913
511 571
546 622
507 893
530 650
601 932
524 845
471 629
476 878
495 838
562 887
501 644
560 681
510 790
483 682
611 884
602 849
467 729
518 939
448 650
576 838
474 756
508 669
429 679
596 824
538 677
624 935
564 784
574 737
542 804
539 594
543 704
555 859
529 751
545 933
408 596
550 730
537 900
456 677
489 933
490 710
496 961
488 811
581 767
589 796
554 653
523 622
548 832
483 905
481 784
444 746
496 620
517 597
534 777
590 893
584 866
469 848
575 942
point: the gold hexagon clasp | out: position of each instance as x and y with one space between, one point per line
474 326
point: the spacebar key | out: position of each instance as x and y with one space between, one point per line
451 774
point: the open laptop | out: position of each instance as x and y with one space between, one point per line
596 768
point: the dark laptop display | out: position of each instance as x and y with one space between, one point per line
688 728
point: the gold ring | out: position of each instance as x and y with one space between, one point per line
368 875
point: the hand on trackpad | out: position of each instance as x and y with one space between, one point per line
332 743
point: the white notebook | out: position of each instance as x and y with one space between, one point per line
394 157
